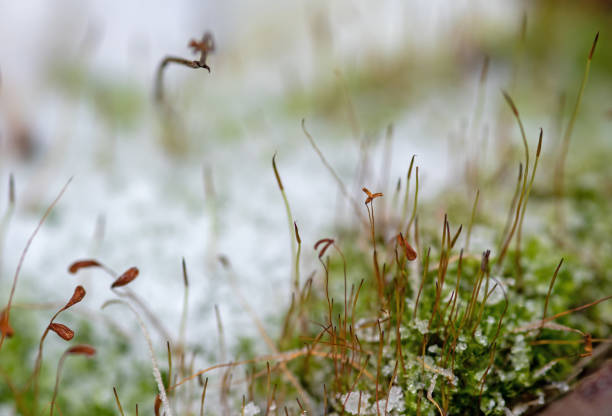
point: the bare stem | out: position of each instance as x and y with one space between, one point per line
159 77
331 170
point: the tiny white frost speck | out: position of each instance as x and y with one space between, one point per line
562 386
480 338
544 369
396 399
352 402
431 367
251 409
518 353
478 376
434 349
421 325
387 370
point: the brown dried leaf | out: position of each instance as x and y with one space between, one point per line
5 326
82 349
129 275
62 330
77 296
81 264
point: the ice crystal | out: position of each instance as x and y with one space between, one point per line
251 409
421 325
480 338
352 401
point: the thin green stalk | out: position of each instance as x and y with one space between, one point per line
483 304
552 283
522 129
476 288
484 376
118 401
203 397
515 196
425 271
560 167
296 282
407 192
292 236
416 200
341 186
519 233
183 324
169 364
504 249
473 216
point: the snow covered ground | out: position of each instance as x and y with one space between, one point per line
152 205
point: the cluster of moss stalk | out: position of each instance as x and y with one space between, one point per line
401 317
427 326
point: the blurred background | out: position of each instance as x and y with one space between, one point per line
192 177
